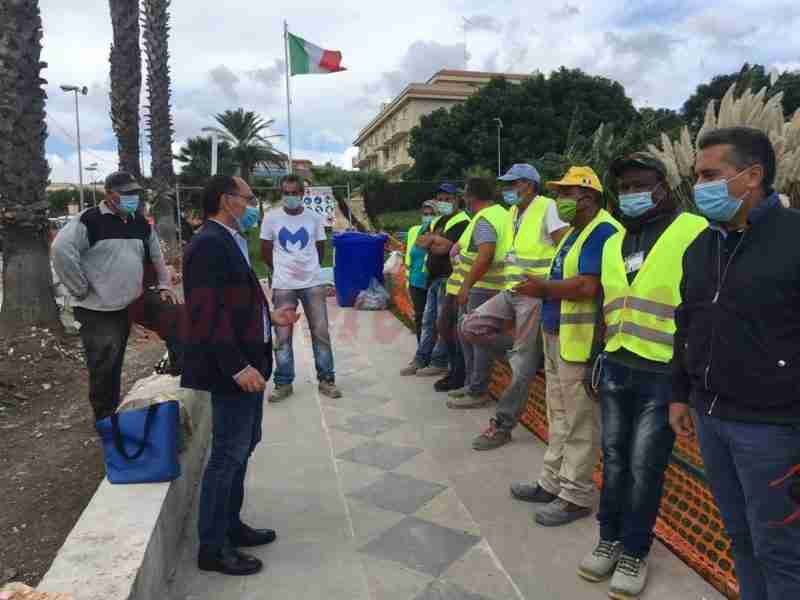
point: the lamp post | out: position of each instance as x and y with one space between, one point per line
92 168
78 90
499 122
214 148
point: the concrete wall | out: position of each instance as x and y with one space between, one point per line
124 546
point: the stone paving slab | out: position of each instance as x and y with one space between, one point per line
379 496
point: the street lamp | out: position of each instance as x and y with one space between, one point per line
92 168
214 148
499 127
78 90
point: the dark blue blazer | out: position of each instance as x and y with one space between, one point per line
224 329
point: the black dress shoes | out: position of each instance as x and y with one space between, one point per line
247 537
229 562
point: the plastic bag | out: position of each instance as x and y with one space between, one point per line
375 297
393 264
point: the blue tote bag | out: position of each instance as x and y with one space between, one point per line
140 446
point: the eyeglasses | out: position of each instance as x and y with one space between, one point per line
249 199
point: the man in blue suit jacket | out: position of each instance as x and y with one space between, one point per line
228 353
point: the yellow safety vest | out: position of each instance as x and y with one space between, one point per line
411 240
578 317
455 219
640 316
529 255
494 278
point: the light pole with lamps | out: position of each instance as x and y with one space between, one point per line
92 168
214 148
78 90
499 122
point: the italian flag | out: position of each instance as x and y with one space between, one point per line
308 58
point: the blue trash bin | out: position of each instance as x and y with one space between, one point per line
358 257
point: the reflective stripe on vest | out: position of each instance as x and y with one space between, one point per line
578 317
531 255
640 316
453 286
494 278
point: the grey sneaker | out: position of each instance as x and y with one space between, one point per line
459 393
432 372
629 578
411 369
600 563
531 493
560 512
329 389
470 401
492 437
281 392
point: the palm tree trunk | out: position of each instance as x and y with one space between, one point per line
27 279
156 42
126 82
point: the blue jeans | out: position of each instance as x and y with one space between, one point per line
741 459
315 307
637 443
236 431
432 349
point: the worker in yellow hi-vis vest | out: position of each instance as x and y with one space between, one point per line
537 230
641 276
478 277
570 312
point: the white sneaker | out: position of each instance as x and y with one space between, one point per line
432 372
629 578
459 393
600 563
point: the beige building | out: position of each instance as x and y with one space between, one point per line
383 143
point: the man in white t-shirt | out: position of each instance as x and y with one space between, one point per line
292 245
533 216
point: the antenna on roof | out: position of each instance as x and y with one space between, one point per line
464 26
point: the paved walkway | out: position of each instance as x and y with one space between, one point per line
378 496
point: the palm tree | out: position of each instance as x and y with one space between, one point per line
155 23
250 147
195 155
27 279
126 82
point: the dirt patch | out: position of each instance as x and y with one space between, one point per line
50 459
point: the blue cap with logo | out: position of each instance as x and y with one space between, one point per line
448 188
522 171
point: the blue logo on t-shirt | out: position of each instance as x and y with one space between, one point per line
285 237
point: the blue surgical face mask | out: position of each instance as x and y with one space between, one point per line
512 197
637 204
292 202
714 200
128 204
249 219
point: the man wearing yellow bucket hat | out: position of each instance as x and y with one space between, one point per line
570 313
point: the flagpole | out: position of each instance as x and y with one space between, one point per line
288 92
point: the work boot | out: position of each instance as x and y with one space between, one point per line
492 437
281 392
600 563
531 493
470 401
411 369
560 512
431 371
630 578
448 384
329 389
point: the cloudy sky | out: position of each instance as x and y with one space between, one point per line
230 54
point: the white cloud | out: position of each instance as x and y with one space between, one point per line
659 51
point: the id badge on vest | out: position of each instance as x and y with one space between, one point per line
511 258
634 262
